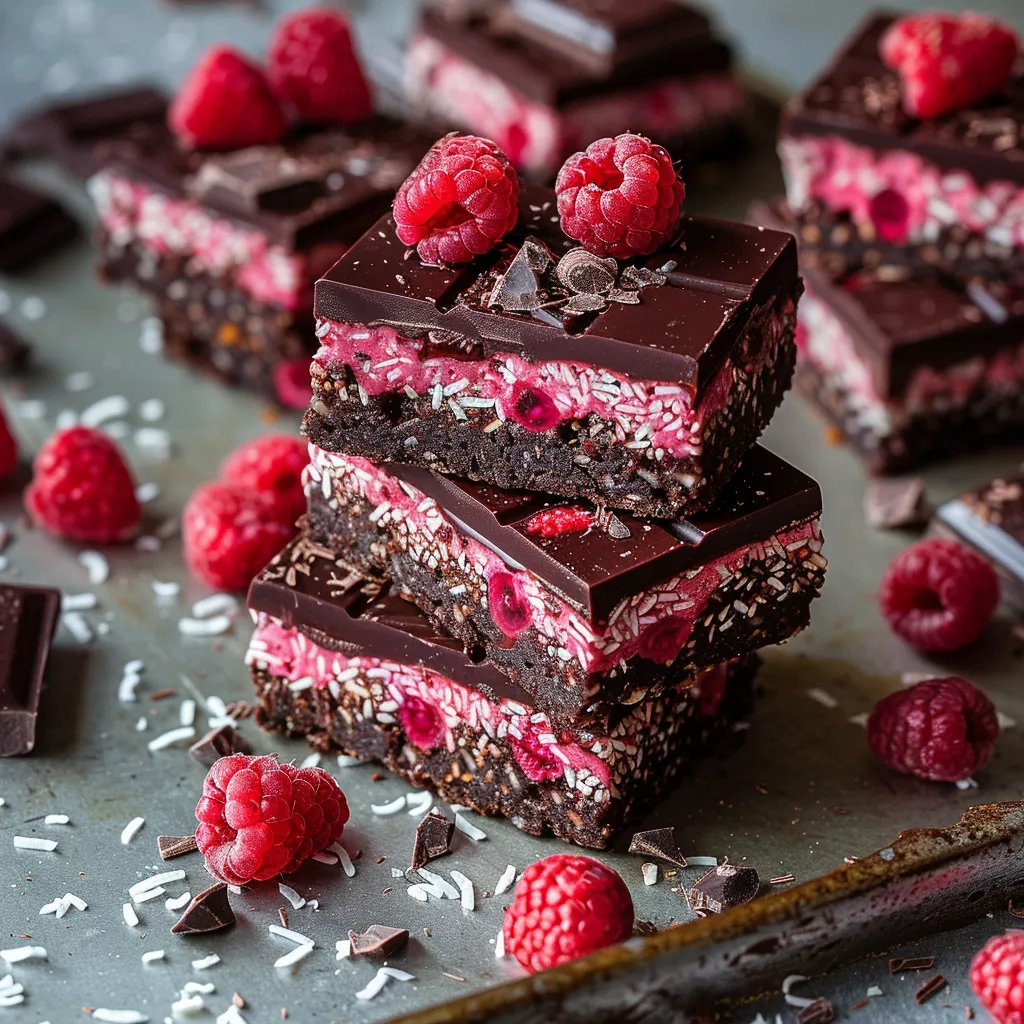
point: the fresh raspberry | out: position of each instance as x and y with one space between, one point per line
271 465
459 201
997 977
314 68
230 533
291 383
226 103
553 522
941 729
938 595
621 197
8 449
949 61
565 908
259 819
82 488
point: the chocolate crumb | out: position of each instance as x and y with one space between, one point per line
380 860
930 988
644 927
894 503
175 846
968 1013
378 941
782 879
208 912
163 694
911 963
860 1005
283 914
218 743
377 777
659 843
426 932
238 709
819 1012
454 977
433 838
724 887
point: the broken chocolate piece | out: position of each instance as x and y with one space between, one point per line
208 912
377 941
659 843
518 289
14 349
724 887
28 617
31 225
930 988
175 846
433 838
583 272
890 504
218 743
910 963
819 1012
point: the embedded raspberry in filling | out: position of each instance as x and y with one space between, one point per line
422 722
509 608
553 522
890 213
533 409
664 639
712 690
537 760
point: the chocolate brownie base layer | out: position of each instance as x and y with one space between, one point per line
991 417
209 322
491 780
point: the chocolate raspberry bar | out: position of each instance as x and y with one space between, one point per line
543 78
872 185
991 520
354 667
639 385
230 244
574 604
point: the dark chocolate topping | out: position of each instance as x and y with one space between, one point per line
208 912
433 838
594 570
718 274
659 843
378 941
218 743
31 223
858 98
553 51
326 186
724 887
170 847
28 617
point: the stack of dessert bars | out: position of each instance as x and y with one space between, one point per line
542 545
911 232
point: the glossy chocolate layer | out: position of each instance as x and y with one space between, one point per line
28 617
858 98
596 568
326 186
31 225
718 273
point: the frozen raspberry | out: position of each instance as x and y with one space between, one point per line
565 908
422 721
259 819
553 522
533 409
291 383
997 977
271 465
226 103
314 68
230 533
662 641
621 197
8 449
537 760
460 200
938 595
82 488
508 605
949 61
941 729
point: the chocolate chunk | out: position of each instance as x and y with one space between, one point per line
175 846
581 271
819 1012
930 988
892 503
218 743
14 349
659 843
208 912
32 225
518 289
911 963
28 617
724 887
378 941
433 838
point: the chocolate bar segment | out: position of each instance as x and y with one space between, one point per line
645 396
32 225
28 618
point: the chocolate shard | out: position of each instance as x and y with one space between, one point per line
32 225
433 838
911 963
175 846
930 988
724 887
208 912
894 503
14 349
378 941
218 743
583 272
518 289
819 1012
659 843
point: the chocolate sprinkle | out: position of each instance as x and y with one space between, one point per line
819 1012
377 941
659 843
930 988
433 838
724 887
175 846
218 743
208 912
911 963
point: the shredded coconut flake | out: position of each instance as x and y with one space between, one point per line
147 492
131 830
508 876
153 954
650 873
216 625
393 807
346 861
95 565
153 881
119 1016
380 979
167 739
56 819
231 1016
113 407
31 843
291 896
823 697
468 897
78 602
798 1001
467 828
207 961
128 913
297 954
177 902
215 604
19 953
347 761
419 803
293 936
166 589
499 945
75 623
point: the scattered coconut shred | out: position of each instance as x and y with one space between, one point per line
380 979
